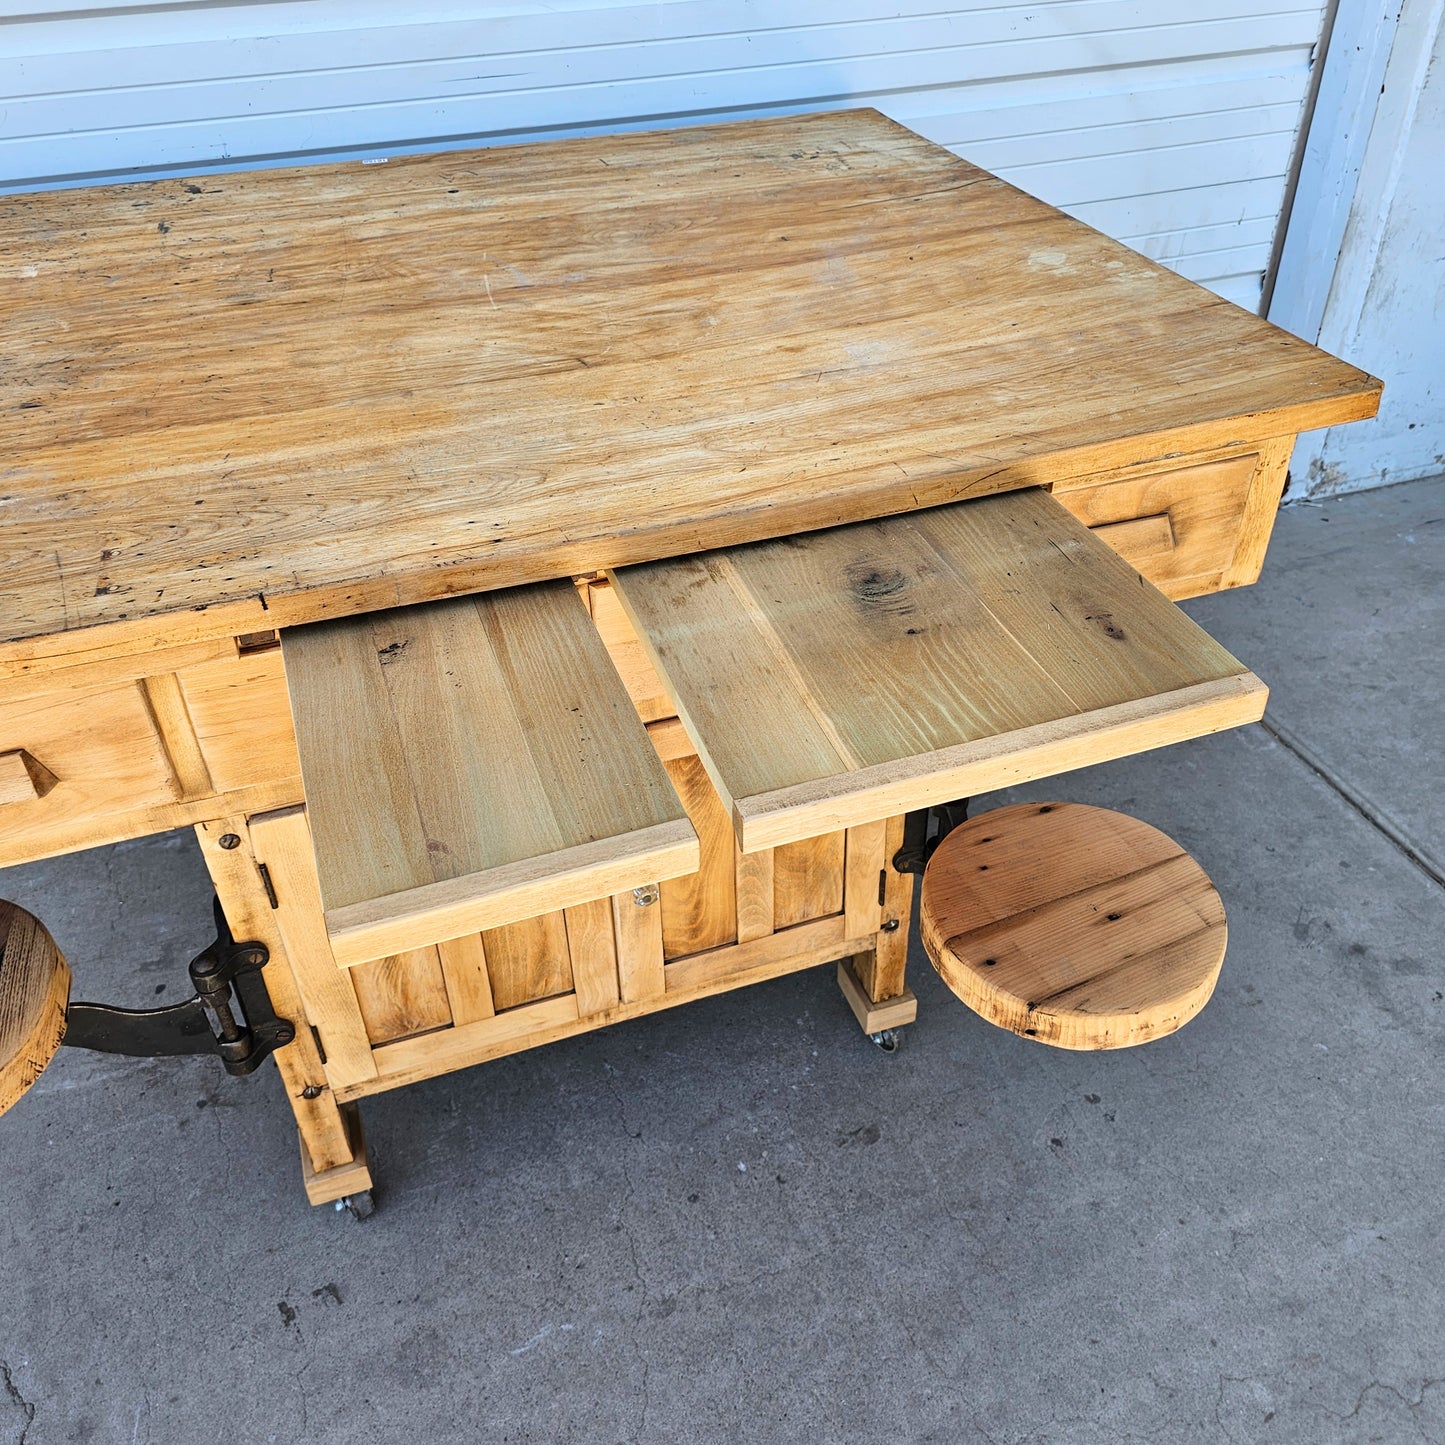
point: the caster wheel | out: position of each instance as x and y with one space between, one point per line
358 1206
889 1040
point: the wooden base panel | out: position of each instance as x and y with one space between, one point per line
326 1186
872 1017
549 1020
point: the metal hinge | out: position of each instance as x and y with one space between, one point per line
230 1014
924 830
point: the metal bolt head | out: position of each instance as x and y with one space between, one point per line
891 926
645 896
229 841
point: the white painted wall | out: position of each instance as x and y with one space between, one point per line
1384 306
1170 124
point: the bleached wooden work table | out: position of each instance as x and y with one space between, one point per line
544 577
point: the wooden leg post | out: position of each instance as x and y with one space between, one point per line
326 1186
333 1148
873 983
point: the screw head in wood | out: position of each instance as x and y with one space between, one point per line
229 841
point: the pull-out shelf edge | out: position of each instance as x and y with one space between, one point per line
843 676
770 820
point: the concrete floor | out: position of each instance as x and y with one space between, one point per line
740 1222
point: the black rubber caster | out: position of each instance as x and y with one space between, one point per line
358 1206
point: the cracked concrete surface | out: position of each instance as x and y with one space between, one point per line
739 1222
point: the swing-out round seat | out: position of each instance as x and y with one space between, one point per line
1073 925
34 993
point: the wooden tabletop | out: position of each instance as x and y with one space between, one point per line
244 401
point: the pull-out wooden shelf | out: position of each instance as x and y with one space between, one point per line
839 677
470 763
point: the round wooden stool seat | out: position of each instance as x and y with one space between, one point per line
34 992
1075 926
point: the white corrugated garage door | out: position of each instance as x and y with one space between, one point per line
1170 125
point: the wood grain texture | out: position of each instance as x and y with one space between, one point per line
808 879
281 842
1182 527
628 656
699 910
1072 925
23 777
1138 539
535 1024
349 1175
471 763
637 927
883 972
893 1013
1257 516
402 995
755 886
864 878
684 339
464 969
528 960
325 1139
592 947
120 750
844 676
238 709
167 706
34 993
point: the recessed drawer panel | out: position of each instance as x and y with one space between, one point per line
470 763
1181 528
838 677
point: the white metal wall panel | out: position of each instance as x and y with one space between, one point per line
1168 123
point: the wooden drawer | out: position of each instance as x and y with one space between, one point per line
836 678
110 755
1190 529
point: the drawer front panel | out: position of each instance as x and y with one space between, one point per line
101 745
1183 529
117 756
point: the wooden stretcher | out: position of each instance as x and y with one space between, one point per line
547 577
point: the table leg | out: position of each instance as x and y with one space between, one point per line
331 1138
874 983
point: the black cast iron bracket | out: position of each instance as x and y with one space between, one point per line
230 1014
920 836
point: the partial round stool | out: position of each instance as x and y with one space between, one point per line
1075 926
34 992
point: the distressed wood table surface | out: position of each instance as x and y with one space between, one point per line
251 400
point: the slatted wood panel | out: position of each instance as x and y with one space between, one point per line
1172 125
687 339
402 995
471 763
850 675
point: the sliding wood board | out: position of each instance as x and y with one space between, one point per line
473 762
852 674
246 401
